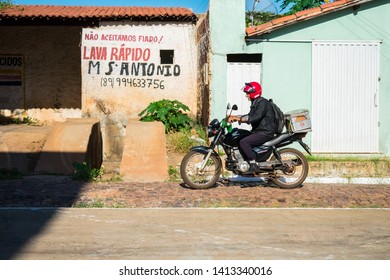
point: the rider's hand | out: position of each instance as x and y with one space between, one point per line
233 118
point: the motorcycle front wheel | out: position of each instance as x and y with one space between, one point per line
295 171
197 173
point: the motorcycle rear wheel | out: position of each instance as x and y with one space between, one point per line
197 178
296 172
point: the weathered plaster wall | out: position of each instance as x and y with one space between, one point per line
52 78
128 65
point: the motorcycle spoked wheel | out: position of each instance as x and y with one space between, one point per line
193 176
295 174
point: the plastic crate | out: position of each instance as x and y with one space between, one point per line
298 121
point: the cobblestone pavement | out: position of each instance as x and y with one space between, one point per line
62 191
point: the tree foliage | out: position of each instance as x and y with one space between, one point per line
299 5
259 17
5 4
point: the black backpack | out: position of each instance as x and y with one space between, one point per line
279 117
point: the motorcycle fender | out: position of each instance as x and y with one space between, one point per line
204 150
305 146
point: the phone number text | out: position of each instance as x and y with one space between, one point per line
132 82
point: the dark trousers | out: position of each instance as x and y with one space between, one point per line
253 140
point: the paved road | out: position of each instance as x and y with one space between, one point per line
183 233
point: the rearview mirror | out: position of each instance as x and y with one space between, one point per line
228 106
235 107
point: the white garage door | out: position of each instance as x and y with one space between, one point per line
345 97
239 73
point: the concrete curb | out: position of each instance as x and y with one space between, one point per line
324 180
357 180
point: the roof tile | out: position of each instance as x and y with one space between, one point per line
302 15
27 11
309 12
284 19
333 5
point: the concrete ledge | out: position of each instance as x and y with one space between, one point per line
350 169
144 156
20 146
75 140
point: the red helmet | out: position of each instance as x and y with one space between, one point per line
254 89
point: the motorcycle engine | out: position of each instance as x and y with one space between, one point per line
242 165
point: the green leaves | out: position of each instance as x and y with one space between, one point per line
4 4
169 112
259 17
299 5
84 172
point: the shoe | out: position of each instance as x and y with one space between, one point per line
253 167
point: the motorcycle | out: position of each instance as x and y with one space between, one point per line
287 168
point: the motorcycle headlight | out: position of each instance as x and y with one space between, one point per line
215 123
211 131
213 127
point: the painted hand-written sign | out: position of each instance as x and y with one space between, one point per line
11 81
126 60
125 67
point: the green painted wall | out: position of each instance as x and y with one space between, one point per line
286 65
227 25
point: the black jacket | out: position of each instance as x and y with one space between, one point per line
262 117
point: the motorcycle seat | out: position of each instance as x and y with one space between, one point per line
277 139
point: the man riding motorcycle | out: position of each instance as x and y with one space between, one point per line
262 152
262 119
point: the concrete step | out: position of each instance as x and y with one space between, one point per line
144 156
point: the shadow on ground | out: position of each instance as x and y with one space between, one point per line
14 234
